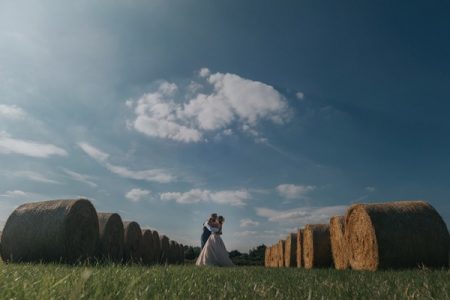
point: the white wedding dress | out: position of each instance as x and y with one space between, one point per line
214 253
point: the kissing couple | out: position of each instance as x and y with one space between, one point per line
213 251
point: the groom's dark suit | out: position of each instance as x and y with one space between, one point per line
205 235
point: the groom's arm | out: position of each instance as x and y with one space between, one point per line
210 228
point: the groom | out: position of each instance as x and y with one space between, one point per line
207 229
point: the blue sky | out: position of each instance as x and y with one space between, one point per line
274 115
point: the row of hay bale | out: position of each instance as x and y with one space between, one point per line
391 235
72 231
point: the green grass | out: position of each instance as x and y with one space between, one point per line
31 281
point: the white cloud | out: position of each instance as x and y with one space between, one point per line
11 111
10 145
292 191
167 88
300 95
248 223
129 103
34 176
231 99
227 132
94 152
80 177
226 197
135 195
152 175
157 117
204 72
302 215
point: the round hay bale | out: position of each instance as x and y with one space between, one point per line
165 246
270 262
290 251
132 238
299 252
317 246
51 231
275 256
111 237
146 247
156 247
396 235
266 257
338 243
280 252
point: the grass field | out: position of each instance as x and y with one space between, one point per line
27 281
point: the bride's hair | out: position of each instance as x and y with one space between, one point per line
221 219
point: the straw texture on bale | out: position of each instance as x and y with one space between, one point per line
111 237
271 256
280 253
290 251
132 237
299 251
51 231
338 243
317 246
165 245
156 247
146 247
275 256
266 257
396 235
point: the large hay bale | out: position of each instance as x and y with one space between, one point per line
146 247
165 246
156 247
132 237
290 251
275 256
271 254
396 235
338 243
266 257
299 249
51 231
111 237
317 246
280 252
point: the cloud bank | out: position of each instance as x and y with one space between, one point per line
229 100
292 191
226 197
135 195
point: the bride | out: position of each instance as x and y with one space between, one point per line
214 252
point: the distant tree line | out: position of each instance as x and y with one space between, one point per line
254 257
